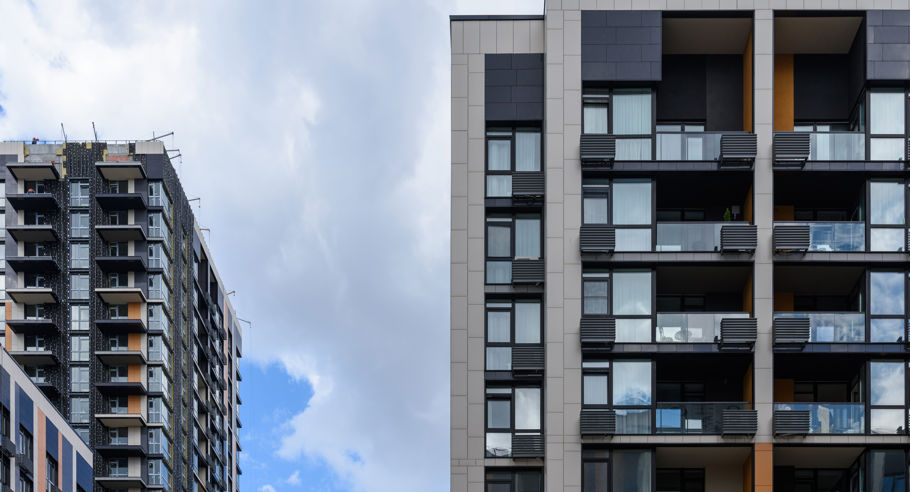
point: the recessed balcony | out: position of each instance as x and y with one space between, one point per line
32 295
44 233
121 201
121 233
121 263
120 170
120 295
33 202
34 357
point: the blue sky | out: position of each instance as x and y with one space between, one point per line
316 136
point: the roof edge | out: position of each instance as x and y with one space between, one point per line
453 18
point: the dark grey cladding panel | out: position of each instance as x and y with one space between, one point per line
513 87
888 45
620 45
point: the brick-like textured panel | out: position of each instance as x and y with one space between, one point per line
888 45
513 87
621 45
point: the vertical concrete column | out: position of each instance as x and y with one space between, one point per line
763 75
556 381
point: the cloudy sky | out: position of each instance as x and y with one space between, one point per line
316 135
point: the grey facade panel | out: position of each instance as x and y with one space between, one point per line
887 45
513 87
620 45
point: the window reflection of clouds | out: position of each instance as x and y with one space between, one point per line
632 383
527 408
887 293
887 383
887 203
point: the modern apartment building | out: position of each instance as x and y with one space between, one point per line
38 448
114 309
680 247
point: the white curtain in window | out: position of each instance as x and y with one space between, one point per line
595 210
886 149
498 241
632 293
633 149
499 185
632 471
527 151
499 155
887 112
595 117
527 408
498 328
527 322
632 113
527 237
632 202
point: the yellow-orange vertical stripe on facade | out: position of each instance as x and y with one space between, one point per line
747 207
747 85
784 212
134 310
783 93
747 385
783 390
747 296
764 467
783 301
134 374
747 472
134 404
134 341
41 450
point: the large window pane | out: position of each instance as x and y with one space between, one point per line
527 151
499 272
887 293
887 203
887 421
886 330
633 421
633 149
633 330
595 293
499 155
595 210
499 358
632 202
887 383
527 237
499 444
499 185
633 239
887 112
595 389
527 408
886 149
886 239
631 471
595 477
632 383
631 292
527 322
499 240
887 470
595 116
498 326
632 112
527 481
499 414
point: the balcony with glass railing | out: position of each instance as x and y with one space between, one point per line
823 236
823 418
693 417
688 146
691 327
691 236
837 146
828 327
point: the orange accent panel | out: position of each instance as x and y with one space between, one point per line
783 93
747 296
747 207
747 85
783 390
134 341
134 310
784 212
134 374
747 385
41 451
747 472
764 466
134 404
783 301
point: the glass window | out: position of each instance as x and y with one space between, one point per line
887 112
631 112
79 194
79 224
887 421
79 349
596 295
79 378
527 408
527 236
595 471
631 382
499 358
595 389
886 330
886 239
79 255
527 150
527 322
632 202
887 296
631 292
79 410
595 209
499 239
633 149
887 203
499 185
499 155
887 470
887 383
633 330
631 471
499 414
499 326
596 117
79 320
79 286
886 149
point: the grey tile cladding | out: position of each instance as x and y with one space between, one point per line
888 45
620 45
513 87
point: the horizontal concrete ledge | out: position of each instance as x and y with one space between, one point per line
456 18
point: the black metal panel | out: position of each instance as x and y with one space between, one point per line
527 185
528 358
32 264
597 238
738 149
527 271
33 326
598 422
791 237
888 45
791 422
527 446
598 330
621 45
739 422
791 148
738 238
791 331
597 150
738 332
514 87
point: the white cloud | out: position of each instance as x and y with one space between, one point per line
266 488
294 479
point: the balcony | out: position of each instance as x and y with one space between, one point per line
121 263
121 357
26 462
706 236
703 418
33 326
8 447
120 295
695 327
33 202
34 357
730 149
122 450
114 420
120 388
121 201
121 326
819 418
792 328
828 151
120 170
819 236
121 482
43 233
39 170
32 295
33 264
121 233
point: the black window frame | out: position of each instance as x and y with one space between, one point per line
512 343
512 430
507 476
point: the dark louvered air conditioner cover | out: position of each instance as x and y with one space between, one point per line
597 238
739 238
791 422
791 237
597 150
528 271
740 422
598 422
791 331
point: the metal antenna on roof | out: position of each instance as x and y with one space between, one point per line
64 131
197 200
94 131
159 136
